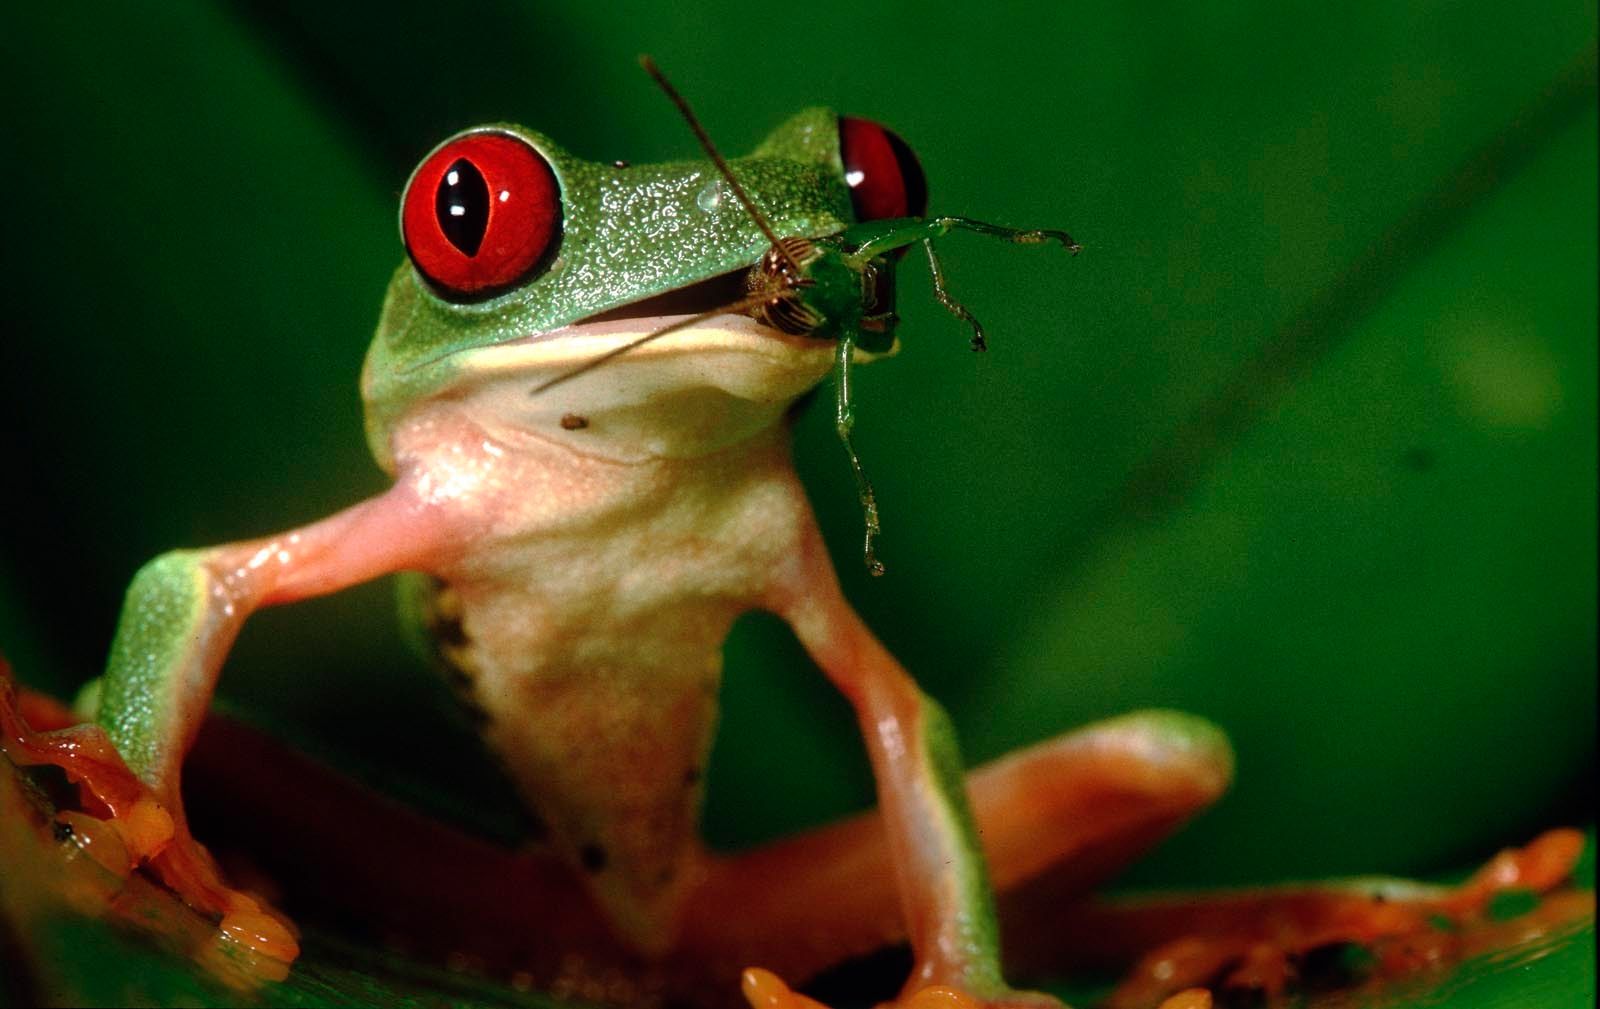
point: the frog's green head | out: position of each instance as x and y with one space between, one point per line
526 262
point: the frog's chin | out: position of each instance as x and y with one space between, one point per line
689 392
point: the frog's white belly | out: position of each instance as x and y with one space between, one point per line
587 623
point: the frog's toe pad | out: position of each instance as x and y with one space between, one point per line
766 990
123 825
1363 934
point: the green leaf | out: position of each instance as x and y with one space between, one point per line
1304 441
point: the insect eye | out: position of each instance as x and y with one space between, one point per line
480 214
884 177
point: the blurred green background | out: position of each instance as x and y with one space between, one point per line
1304 441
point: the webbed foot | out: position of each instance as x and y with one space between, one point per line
1264 944
124 826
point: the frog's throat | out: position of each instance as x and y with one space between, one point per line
691 392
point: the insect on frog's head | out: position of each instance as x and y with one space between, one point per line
527 266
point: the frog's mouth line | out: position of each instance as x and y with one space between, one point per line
703 296
698 298
720 303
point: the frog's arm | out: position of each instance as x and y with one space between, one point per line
184 609
945 899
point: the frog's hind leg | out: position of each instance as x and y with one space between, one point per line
932 847
1075 808
1256 945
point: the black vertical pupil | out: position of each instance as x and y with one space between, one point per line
462 204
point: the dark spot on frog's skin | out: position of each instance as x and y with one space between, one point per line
450 632
461 681
1420 459
62 831
691 777
592 857
443 616
573 422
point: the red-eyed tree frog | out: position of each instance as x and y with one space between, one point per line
581 384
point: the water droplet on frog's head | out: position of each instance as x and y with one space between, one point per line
710 196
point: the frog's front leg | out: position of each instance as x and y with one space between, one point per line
182 613
184 609
945 899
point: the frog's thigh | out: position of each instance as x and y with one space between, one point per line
1070 810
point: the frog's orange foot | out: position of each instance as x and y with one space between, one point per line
1338 938
124 826
765 990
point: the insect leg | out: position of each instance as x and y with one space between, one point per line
954 307
843 420
877 241
1021 236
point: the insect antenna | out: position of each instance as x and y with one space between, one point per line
717 159
793 277
742 305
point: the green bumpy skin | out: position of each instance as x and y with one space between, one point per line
982 926
626 234
163 618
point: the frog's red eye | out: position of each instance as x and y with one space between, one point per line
480 213
884 177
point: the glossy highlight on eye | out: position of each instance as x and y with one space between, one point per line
480 214
884 176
